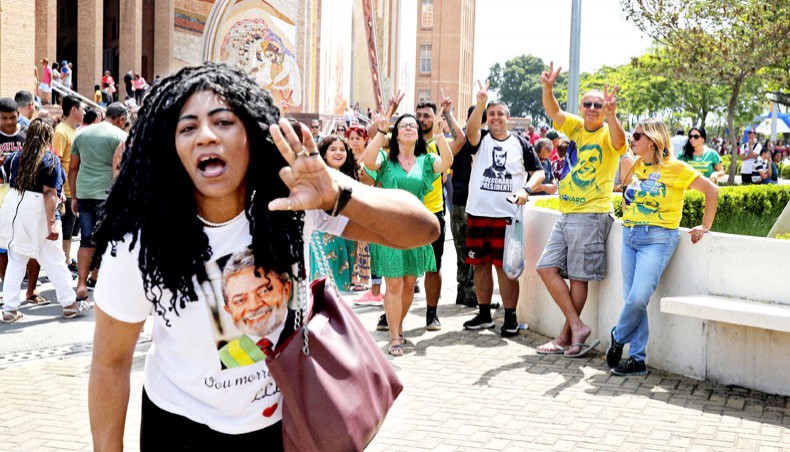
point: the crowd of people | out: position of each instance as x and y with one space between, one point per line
211 212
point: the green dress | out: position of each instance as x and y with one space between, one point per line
391 263
333 253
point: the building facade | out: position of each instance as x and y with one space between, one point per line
445 52
317 55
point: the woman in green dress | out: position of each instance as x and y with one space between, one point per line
330 255
408 166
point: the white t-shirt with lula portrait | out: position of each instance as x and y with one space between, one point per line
183 371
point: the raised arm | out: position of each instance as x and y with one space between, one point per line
394 218
371 157
392 107
616 131
550 104
459 138
475 121
446 155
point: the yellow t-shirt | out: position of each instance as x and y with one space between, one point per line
62 141
654 195
434 200
587 187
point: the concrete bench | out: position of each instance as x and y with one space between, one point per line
757 314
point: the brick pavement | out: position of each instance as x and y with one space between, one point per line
464 391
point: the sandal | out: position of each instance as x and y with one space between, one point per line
359 288
82 306
38 300
11 316
396 348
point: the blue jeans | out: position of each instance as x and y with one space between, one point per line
646 253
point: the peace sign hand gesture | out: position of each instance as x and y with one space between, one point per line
447 103
383 122
547 78
438 122
609 101
482 95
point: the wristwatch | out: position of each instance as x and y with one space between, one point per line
343 196
528 190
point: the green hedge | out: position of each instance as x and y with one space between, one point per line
784 171
733 202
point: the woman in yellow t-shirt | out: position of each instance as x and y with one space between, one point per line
652 207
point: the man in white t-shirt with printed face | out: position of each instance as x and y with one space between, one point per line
505 170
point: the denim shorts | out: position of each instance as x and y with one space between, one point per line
577 246
89 210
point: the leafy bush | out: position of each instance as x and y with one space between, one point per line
758 201
784 172
726 160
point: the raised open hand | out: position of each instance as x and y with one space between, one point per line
547 78
482 95
383 121
306 175
609 101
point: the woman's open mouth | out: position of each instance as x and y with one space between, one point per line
211 165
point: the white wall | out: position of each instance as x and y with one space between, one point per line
721 264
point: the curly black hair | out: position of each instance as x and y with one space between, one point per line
349 167
153 197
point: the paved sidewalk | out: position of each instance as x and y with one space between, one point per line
464 391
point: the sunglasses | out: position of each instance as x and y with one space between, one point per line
638 135
313 127
597 105
695 136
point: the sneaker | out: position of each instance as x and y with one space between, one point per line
382 325
509 329
479 323
91 283
630 367
615 351
433 324
73 268
416 288
368 299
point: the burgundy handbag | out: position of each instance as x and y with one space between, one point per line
336 384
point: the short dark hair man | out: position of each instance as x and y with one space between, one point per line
65 132
490 205
26 105
12 134
90 178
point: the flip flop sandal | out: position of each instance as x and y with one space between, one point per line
70 313
13 316
38 300
583 349
550 348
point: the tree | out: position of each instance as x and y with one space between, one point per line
735 41
517 83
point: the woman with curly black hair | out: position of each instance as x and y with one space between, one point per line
410 167
208 174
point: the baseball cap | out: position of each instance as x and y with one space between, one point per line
552 134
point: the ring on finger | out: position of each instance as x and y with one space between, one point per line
302 152
290 205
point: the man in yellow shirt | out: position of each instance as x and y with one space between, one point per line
576 248
73 112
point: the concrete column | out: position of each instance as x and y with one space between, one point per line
131 40
17 50
164 36
90 35
46 30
